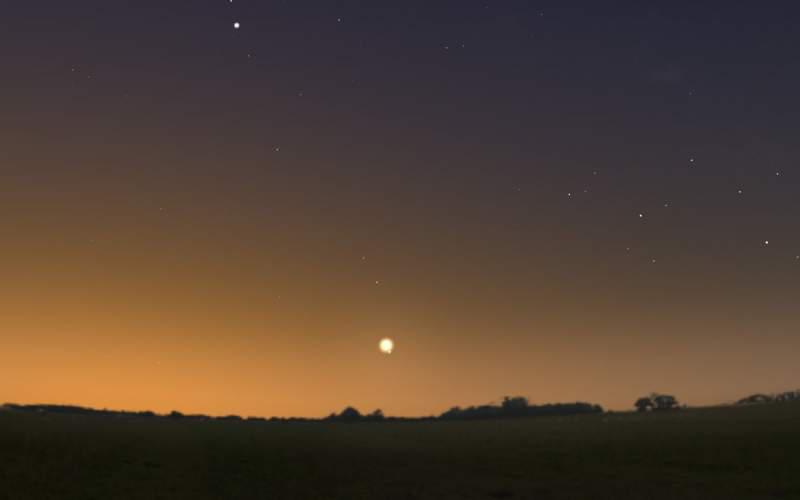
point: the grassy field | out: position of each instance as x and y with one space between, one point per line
719 453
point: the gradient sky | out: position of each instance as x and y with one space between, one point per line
585 203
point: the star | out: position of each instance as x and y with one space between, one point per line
237 25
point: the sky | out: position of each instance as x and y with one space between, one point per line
222 206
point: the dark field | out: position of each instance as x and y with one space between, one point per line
726 453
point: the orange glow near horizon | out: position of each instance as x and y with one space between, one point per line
222 221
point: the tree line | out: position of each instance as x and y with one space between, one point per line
780 397
519 406
510 407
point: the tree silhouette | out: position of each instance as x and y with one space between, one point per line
656 401
664 402
349 414
756 399
453 412
643 404
375 416
514 405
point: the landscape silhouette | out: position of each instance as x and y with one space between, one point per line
509 450
399 250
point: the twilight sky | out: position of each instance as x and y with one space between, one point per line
583 203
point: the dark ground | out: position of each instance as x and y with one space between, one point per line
719 453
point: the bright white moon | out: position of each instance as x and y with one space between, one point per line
386 345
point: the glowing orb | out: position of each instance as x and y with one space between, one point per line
386 345
236 26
